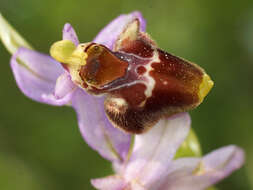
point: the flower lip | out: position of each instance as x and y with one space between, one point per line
168 85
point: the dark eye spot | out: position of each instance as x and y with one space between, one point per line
94 67
96 48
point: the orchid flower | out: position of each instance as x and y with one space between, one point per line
43 79
149 161
152 165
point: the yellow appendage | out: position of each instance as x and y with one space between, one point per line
205 87
66 52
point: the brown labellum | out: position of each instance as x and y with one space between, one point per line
142 83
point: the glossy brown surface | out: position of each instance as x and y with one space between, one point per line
138 48
142 83
177 81
176 90
102 66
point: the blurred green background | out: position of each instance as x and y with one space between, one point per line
40 145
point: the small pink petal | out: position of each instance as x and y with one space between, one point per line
116 183
63 91
110 183
111 32
69 33
154 150
98 132
199 174
64 85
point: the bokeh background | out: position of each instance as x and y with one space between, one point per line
40 145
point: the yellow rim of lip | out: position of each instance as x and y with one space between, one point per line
205 86
66 52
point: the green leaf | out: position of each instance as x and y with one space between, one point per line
11 39
190 147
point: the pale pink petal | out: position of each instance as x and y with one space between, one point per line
36 75
111 32
69 33
198 174
110 183
98 132
154 150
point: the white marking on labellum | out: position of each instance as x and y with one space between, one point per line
150 84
